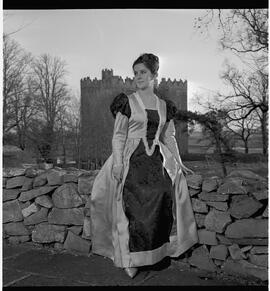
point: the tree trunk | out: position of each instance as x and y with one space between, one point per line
49 139
264 133
221 157
64 155
21 142
246 146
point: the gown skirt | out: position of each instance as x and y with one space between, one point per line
147 217
147 195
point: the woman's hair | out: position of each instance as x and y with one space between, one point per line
150 61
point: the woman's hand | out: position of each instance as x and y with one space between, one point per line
184 169
118 172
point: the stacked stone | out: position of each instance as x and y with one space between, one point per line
48 207
232 221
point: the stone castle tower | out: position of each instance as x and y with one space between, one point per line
97 121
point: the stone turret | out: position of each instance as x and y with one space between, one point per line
106 74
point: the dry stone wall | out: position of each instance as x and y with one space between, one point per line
232 221
49 208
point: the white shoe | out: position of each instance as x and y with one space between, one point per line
131 272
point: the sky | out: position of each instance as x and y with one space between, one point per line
94 39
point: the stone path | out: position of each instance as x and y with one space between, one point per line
25 265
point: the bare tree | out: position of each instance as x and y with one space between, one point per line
74 121
213 124
249 96
25 109
16 63
68 130
52 96
242 128
242 30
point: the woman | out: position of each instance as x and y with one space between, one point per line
141 189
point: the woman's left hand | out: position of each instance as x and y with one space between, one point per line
184 169
118 172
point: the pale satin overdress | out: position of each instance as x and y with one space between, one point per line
109 225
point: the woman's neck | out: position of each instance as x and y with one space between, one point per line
146 92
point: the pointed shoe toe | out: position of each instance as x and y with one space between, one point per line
131 272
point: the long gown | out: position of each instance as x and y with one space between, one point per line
147 195
132 220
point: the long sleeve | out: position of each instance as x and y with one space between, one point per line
119 138
168 138
121 112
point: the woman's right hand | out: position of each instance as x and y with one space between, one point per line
118 172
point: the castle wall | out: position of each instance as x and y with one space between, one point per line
97 121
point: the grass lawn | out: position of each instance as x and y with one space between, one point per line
208 169
199 161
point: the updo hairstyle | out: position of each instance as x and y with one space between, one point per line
150 61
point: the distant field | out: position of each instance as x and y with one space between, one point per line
212 168
197 144
198 150
200 160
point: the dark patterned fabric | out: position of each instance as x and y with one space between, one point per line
120 104
147 195
171 110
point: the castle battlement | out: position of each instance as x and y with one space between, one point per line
175 83
108 79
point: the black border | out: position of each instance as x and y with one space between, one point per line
133 4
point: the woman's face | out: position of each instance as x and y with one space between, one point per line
143 76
